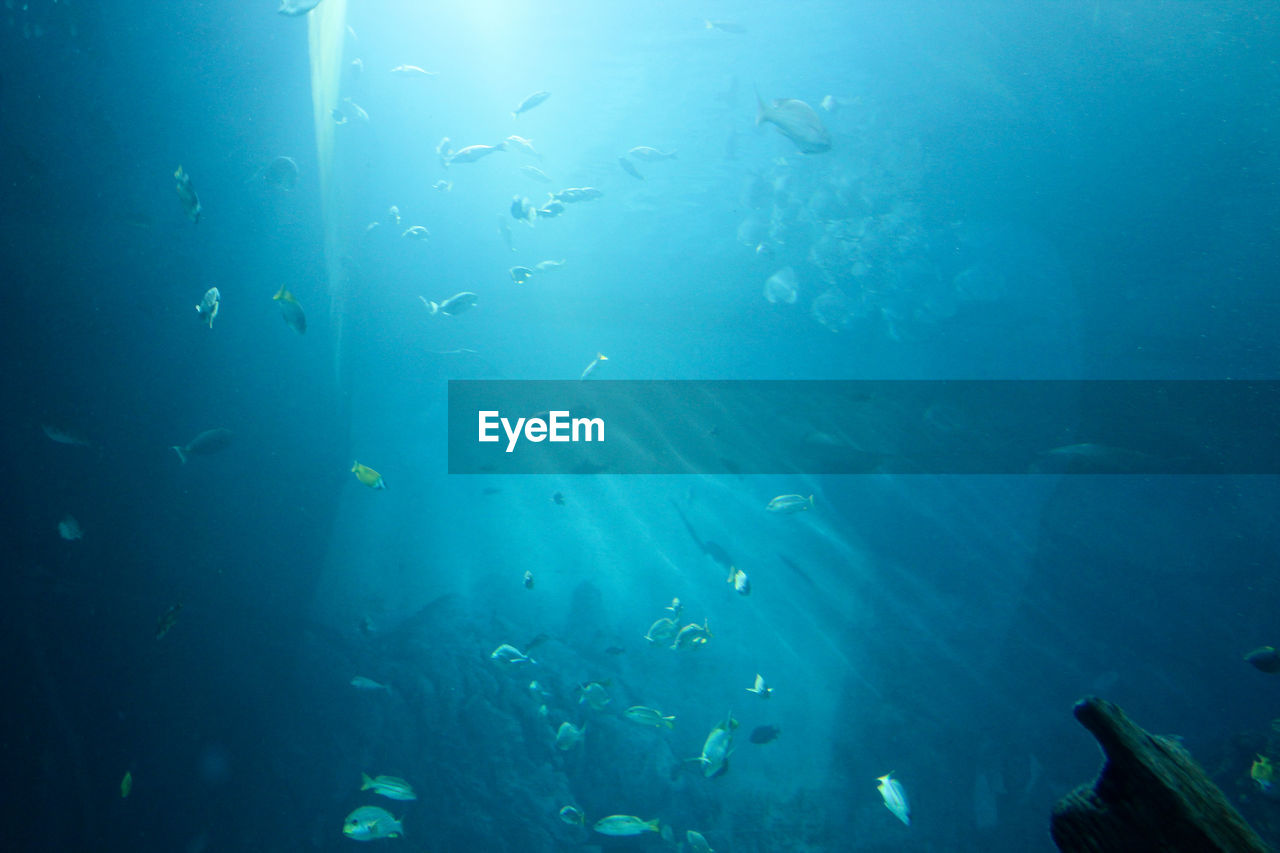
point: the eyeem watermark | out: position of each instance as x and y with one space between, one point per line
558 426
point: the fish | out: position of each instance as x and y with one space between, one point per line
391 787
662 631
208 442
741 583
444 150
356 66
797 121
530 102
455 304
717 748
726 27
528 580
294 317
764 734
359 682
551 209
69 529
520 274
895 798
625 824
126 785
62 436
781 286
281 172
168 619
417 232
442 185
1262 772
760 688
508 655
522 210
525 145
558 499
595 362
208 307
568 736
647 716
367 476
187 195
691 635
356 110
413 71
472 153
393 213
543 266
787 504
369 823
576 194
535 173
594 694
295 8
573 816
337 116
1265 658
630 168
697 844
651 155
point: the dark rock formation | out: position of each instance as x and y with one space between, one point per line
1150 796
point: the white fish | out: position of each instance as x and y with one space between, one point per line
573 816
412 71
895 798
356 110
647 716
208 307
61 436
797 121
417 232
393 213
69 529
592 366
568 736
362 683
525 145
535 173
472 153
455 304
508 655
741 583
782 287
717 748
760 688
442 185
651 155
294 8
788 504
543 266
697 843
531 102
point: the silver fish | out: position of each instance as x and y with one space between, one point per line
630 168
651 155
472 153
797 121
207 442
531 102
536 173
208 307
294 8
187 195
455 304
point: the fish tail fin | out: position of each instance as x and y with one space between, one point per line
653 824
365 782
760 109
181 455
282 293
355 466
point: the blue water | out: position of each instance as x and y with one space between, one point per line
1014 190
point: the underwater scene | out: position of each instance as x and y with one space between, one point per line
252 604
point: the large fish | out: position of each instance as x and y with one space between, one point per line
209 441
797 121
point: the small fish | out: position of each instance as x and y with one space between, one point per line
522 210
630 168
413 71
69 529
576 194
895 798
442 186
697 844
393 213
208 307
444 150
337 115
207 442
726 27
528 580
558 499
760 688
691 635
1262 772
472 153
359 682
369 823
525 145
508 655
281 172
651 155
625 824
781 286
417 232
551 209
1265 658
536 173
797 121
531 102
187 195
391 787
126 785
294 8
675 607
356 110
367 476
167 620
504 231
573 816
787 504
294 317
543 266
647 716
62 436
592 366
741 583
455 304
662 631
520 274
568 736
717 748
765 734
594 694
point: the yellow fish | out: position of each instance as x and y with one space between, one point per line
368 476
294 317
126 784
1262 772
